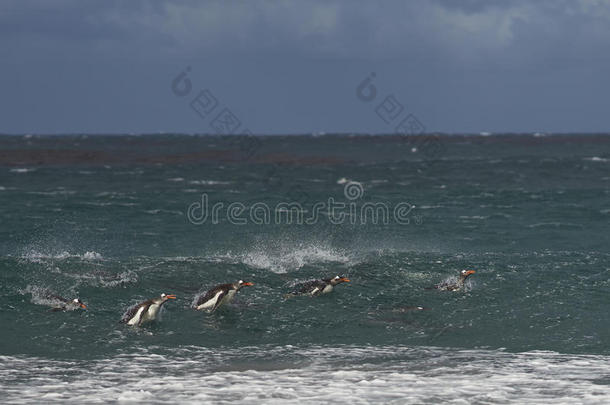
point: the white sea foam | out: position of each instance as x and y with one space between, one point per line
208 182
597 159
92 256
38 256
468 284
473 217
281 257
343 374
120 279
43 296
106 204
102 278
286 257
162 211
22 170
52 193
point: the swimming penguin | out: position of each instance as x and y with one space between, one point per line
454 285
219 295
317 287
146 311
64 304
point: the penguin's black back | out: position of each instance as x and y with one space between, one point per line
212 292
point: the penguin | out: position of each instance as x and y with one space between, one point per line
454 285
219 295
317 287
146 311
65 304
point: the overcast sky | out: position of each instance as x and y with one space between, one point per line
76 66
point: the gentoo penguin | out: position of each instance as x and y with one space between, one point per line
317 287
63 304
219 295
146 311
454 285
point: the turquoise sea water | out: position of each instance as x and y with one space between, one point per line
117 220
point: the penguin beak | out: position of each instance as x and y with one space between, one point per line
248 284
170 296
345 280
469 272
83 306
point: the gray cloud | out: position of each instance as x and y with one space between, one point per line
443 56
458 29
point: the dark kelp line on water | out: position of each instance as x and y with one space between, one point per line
100 149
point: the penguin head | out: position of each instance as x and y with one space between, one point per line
338 280
464 274
165 297
242 283
78 302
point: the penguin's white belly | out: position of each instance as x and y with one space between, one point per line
152 313
141 316
229 297
327 289
136 318
209 304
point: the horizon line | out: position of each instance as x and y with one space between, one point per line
311 134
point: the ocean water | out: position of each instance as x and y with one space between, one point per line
116 220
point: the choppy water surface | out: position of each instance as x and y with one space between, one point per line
107 219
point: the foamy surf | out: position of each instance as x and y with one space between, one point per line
209 182
22 170
44 296
452 280
39 256
283 259
308 375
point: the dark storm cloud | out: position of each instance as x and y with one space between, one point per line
61 20
318 28
448 55
323 28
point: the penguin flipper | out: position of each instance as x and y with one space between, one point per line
218 300
131 312
211 293
310 287
144 311
316 291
